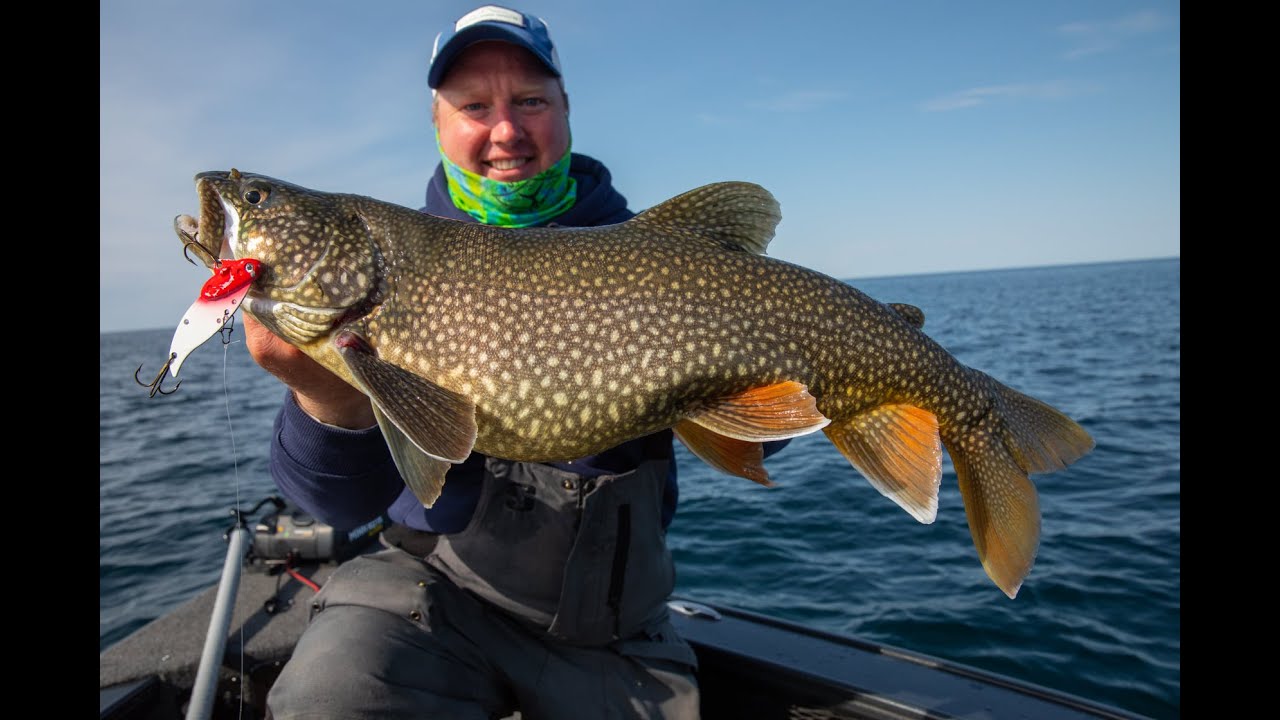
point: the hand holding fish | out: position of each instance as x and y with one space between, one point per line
318 392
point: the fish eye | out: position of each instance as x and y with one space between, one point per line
253 196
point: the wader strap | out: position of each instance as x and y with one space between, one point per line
618 578
415 542
585 559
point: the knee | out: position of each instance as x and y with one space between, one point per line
334 667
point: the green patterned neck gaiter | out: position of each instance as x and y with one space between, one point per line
521 203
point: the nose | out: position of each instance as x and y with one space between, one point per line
506 127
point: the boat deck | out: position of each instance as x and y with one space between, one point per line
750 666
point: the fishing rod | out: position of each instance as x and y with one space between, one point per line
281 537
206 684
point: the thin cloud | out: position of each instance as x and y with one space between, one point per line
1093 37
707 118
982 95
799 101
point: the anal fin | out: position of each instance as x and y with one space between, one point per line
898 449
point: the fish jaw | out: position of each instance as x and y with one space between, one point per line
297 324
188 230
219 223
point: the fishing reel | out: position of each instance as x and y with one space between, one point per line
288 536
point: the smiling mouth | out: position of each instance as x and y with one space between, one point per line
507 163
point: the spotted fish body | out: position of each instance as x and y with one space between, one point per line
548 344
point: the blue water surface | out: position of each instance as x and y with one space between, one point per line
1098 616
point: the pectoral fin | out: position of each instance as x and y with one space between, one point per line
726 454
422 473
773 412
898 450
439 422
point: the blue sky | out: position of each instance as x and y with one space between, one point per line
900 136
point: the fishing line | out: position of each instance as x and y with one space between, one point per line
235 465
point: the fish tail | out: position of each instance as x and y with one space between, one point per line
1019 435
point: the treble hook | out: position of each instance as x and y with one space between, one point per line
155 384
216 260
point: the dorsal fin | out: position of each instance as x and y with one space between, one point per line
910 313
737 215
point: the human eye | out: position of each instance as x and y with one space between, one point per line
531 103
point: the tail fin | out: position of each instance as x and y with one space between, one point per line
1020 435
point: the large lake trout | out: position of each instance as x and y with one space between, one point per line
545 344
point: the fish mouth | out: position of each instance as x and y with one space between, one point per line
188 230
213 234
218 220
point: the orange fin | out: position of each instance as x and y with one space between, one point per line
773 412
897 448
726 454
992 458
1004 514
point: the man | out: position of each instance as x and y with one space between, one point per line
532 586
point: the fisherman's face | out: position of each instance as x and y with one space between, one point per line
500 113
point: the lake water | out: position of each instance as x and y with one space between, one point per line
1098 616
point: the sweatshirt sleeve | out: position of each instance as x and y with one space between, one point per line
773 446
340 477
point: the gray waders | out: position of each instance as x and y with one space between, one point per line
552 601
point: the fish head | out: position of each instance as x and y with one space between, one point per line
319 262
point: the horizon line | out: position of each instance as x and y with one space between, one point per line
859 277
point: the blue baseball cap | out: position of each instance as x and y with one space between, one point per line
492 22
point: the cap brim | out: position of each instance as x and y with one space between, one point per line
479 32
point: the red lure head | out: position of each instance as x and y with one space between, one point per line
230 276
